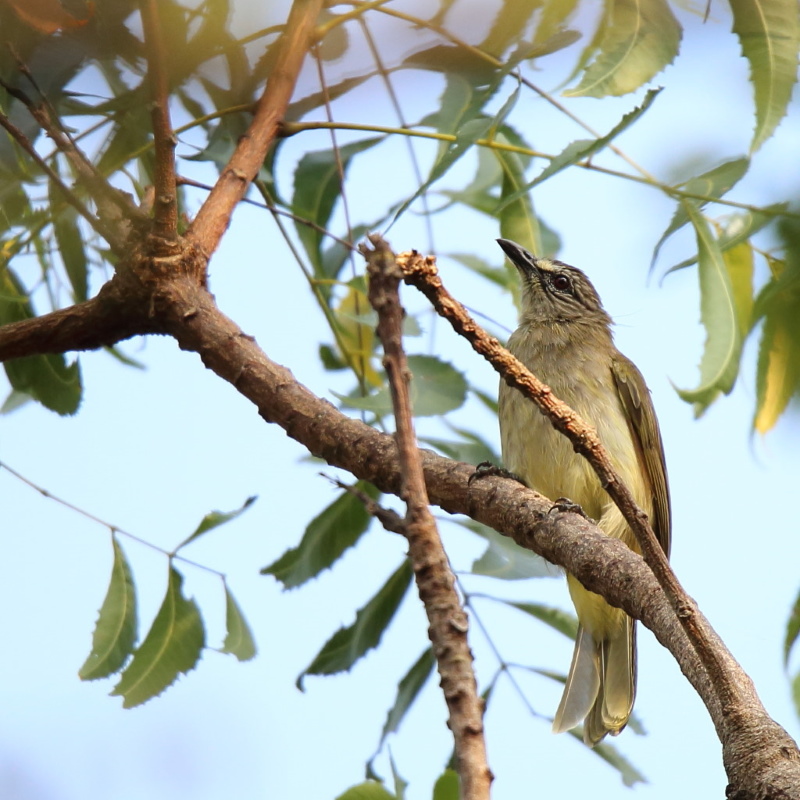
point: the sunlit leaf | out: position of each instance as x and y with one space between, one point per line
369 790
327 536
739 262
172 646
348 645
769 34
214 519
238 638
447 786
356 328
115 632
712 184
719 364
639 39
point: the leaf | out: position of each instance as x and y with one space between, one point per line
369 790
407 691
172 646
327 536
584 148
769 34
712 184
792 631
505 559
114 634
719 364
561 621
436 388
317 187
796 692
239 638
639 39
46 378
213 520
738 228
739 262
629 774
447 786
472 450
356 327
70 246
348 645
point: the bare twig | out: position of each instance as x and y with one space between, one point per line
435 580
166 200
214 216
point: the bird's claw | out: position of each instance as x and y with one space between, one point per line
488 470
565 504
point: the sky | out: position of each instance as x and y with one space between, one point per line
153 451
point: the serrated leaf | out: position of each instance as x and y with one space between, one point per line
327 536
584 148
407 692
348 645
719 364
317 188
114 634
172 646
214 519
739 262
769 34
239 638
639 39
792 631
629 774
712 184
369 790
447 786
561 621
436 388
46 378
505 559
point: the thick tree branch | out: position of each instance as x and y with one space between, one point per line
214 216
435 580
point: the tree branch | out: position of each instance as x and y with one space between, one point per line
435 580
214 215
165 212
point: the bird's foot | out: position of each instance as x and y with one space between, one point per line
488 470
565 504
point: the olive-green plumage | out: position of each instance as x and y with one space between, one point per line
564 338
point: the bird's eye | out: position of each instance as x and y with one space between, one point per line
562 283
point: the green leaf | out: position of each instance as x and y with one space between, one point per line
561 621
436 388
369 790
719 364
796 692
447 786
472 449
584 148
505 559
239 638
639 39
70 247
114 634
738 228
327 536
792 631
348 645
739 262
172 646
213 520
407 691
629 774
46 378
712 184
317 187
769 34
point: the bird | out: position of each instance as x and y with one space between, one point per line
564 337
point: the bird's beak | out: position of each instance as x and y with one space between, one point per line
524 261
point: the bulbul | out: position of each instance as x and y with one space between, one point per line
564 337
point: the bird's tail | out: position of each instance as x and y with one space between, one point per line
601 685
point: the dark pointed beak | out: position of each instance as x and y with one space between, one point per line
518 256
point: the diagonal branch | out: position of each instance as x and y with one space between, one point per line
214 216
435 580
